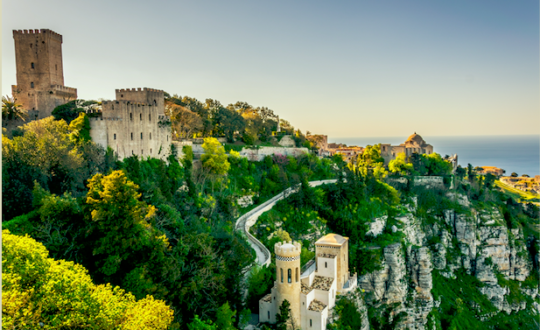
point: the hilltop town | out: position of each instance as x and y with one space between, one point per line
157 211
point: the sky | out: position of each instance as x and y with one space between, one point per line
340 68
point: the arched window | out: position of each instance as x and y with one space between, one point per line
281 269
289 275
296 274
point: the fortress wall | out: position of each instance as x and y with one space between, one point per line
428 180
259 154
98 131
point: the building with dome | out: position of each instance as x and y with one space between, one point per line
311 293
414 144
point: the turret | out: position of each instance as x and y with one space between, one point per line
288 278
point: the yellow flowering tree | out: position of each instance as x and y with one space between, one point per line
40 292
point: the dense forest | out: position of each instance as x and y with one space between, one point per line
92 241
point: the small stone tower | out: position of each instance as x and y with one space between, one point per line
288 278
40 74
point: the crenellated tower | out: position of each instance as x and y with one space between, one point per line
40 74
288 283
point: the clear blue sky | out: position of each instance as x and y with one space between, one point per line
342 68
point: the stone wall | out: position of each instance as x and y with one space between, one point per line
429 181
261 152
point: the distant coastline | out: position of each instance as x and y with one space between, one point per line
513 153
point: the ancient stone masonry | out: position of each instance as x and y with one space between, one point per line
133 124
40 74
414 144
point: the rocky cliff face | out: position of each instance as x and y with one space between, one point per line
478 241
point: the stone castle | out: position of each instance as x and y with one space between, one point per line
40 74
133 124
312 293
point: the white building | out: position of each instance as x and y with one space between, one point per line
313 293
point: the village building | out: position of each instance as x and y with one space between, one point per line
133 124
312 293
483 170
40 74
414 144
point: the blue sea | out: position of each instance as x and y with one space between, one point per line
513 153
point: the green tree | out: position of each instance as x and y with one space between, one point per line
225 317
400 165
283 318
198 324
214 158
12 110
80 129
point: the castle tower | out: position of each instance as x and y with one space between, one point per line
40 74
288 278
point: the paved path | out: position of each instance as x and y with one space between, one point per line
249 219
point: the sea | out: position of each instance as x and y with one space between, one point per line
513 153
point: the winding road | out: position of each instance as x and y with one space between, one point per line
249 219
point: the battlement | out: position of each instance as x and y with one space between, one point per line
127 90
37 31
288 249
64 89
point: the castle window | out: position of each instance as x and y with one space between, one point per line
56 67
268 315
325 264
131 136
155 103
132 152
150 136
296 274
167 138
32 64
121 95
140 115
142 152
43 42
310 322
141 135
131 116
30 45
150 150
114 136
289 276
281 269
32 84
149 116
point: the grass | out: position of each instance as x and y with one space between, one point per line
518 194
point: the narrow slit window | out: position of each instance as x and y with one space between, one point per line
269 315
150 150
142 152
289 275
56 67
141 136
32 84
310 322
32 65
296 274
149 116
140 116
131 136
325 264
130 116
114 136
150 136
281 269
